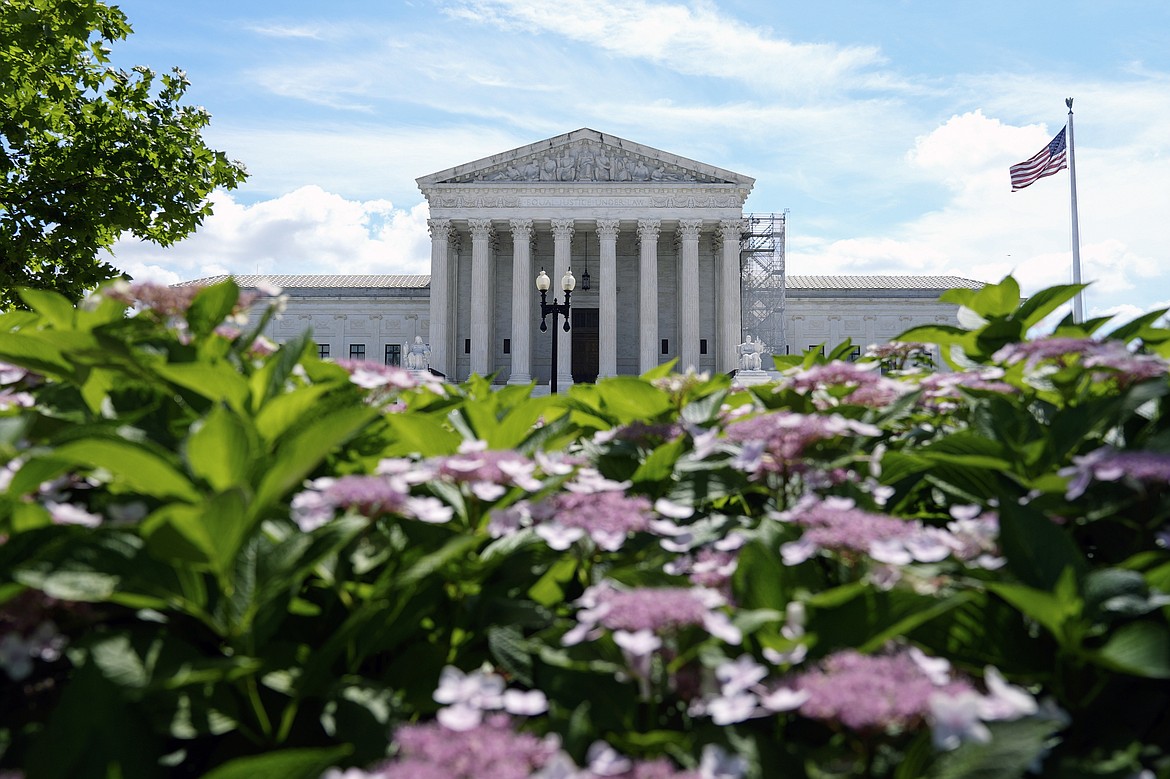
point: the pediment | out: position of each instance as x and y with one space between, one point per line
588 157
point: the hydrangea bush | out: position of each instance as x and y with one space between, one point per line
221 557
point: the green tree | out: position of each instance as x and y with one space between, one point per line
89 151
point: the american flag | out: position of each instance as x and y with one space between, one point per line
1049 160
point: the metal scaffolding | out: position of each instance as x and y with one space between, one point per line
761 262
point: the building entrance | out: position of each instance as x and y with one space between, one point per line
585 330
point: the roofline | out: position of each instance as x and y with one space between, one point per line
434 179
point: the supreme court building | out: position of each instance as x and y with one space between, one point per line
659 248
658 234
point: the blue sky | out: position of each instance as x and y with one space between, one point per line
885 128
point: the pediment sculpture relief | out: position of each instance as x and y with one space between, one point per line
585 161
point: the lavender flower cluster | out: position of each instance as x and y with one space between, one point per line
638 618
589 506
942 391
836 524
1105 358
866 386
369 496
1109 464
495 750
776 442
900 690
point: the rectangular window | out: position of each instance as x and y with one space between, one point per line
855 355
357 351
467 346
702 346
394 354
665 345
323 351
507 346
818 348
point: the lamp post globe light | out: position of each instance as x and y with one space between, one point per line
543 282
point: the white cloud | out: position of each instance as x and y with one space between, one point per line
694 39
361 161
984 231
308 230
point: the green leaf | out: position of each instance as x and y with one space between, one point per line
211 306
176 533
1139 648
303 449
659 466
119 742
270 380
285 411
282 764
1044 607
1044 302
36 351
220 449
217 381
55 308
71 585
1014 746
630 399
511 653
1037 550
227 521
759 578
549 589
422 435
996 300
132 465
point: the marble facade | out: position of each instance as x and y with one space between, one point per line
658 233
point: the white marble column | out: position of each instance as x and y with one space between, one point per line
648 230
482 296
442 310
562 246
523 289
454 345
688 293
607 232
729 333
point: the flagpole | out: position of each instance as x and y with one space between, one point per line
1078 302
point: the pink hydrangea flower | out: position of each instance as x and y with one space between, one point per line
1109 464
649 610
490 750
905 688
943 391
467 697
608 517
867 386
836 524
1105 358
370 496
488 474
777 441
871 692
375 376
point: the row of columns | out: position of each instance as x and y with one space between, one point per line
444 300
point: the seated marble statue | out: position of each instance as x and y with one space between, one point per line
749 355
418 358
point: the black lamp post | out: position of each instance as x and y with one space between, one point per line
556 309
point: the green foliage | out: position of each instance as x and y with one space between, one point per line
89 152
182 591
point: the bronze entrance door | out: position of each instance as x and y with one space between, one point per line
585 324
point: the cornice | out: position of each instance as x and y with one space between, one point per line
525 196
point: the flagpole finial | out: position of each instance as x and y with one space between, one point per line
1068 102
